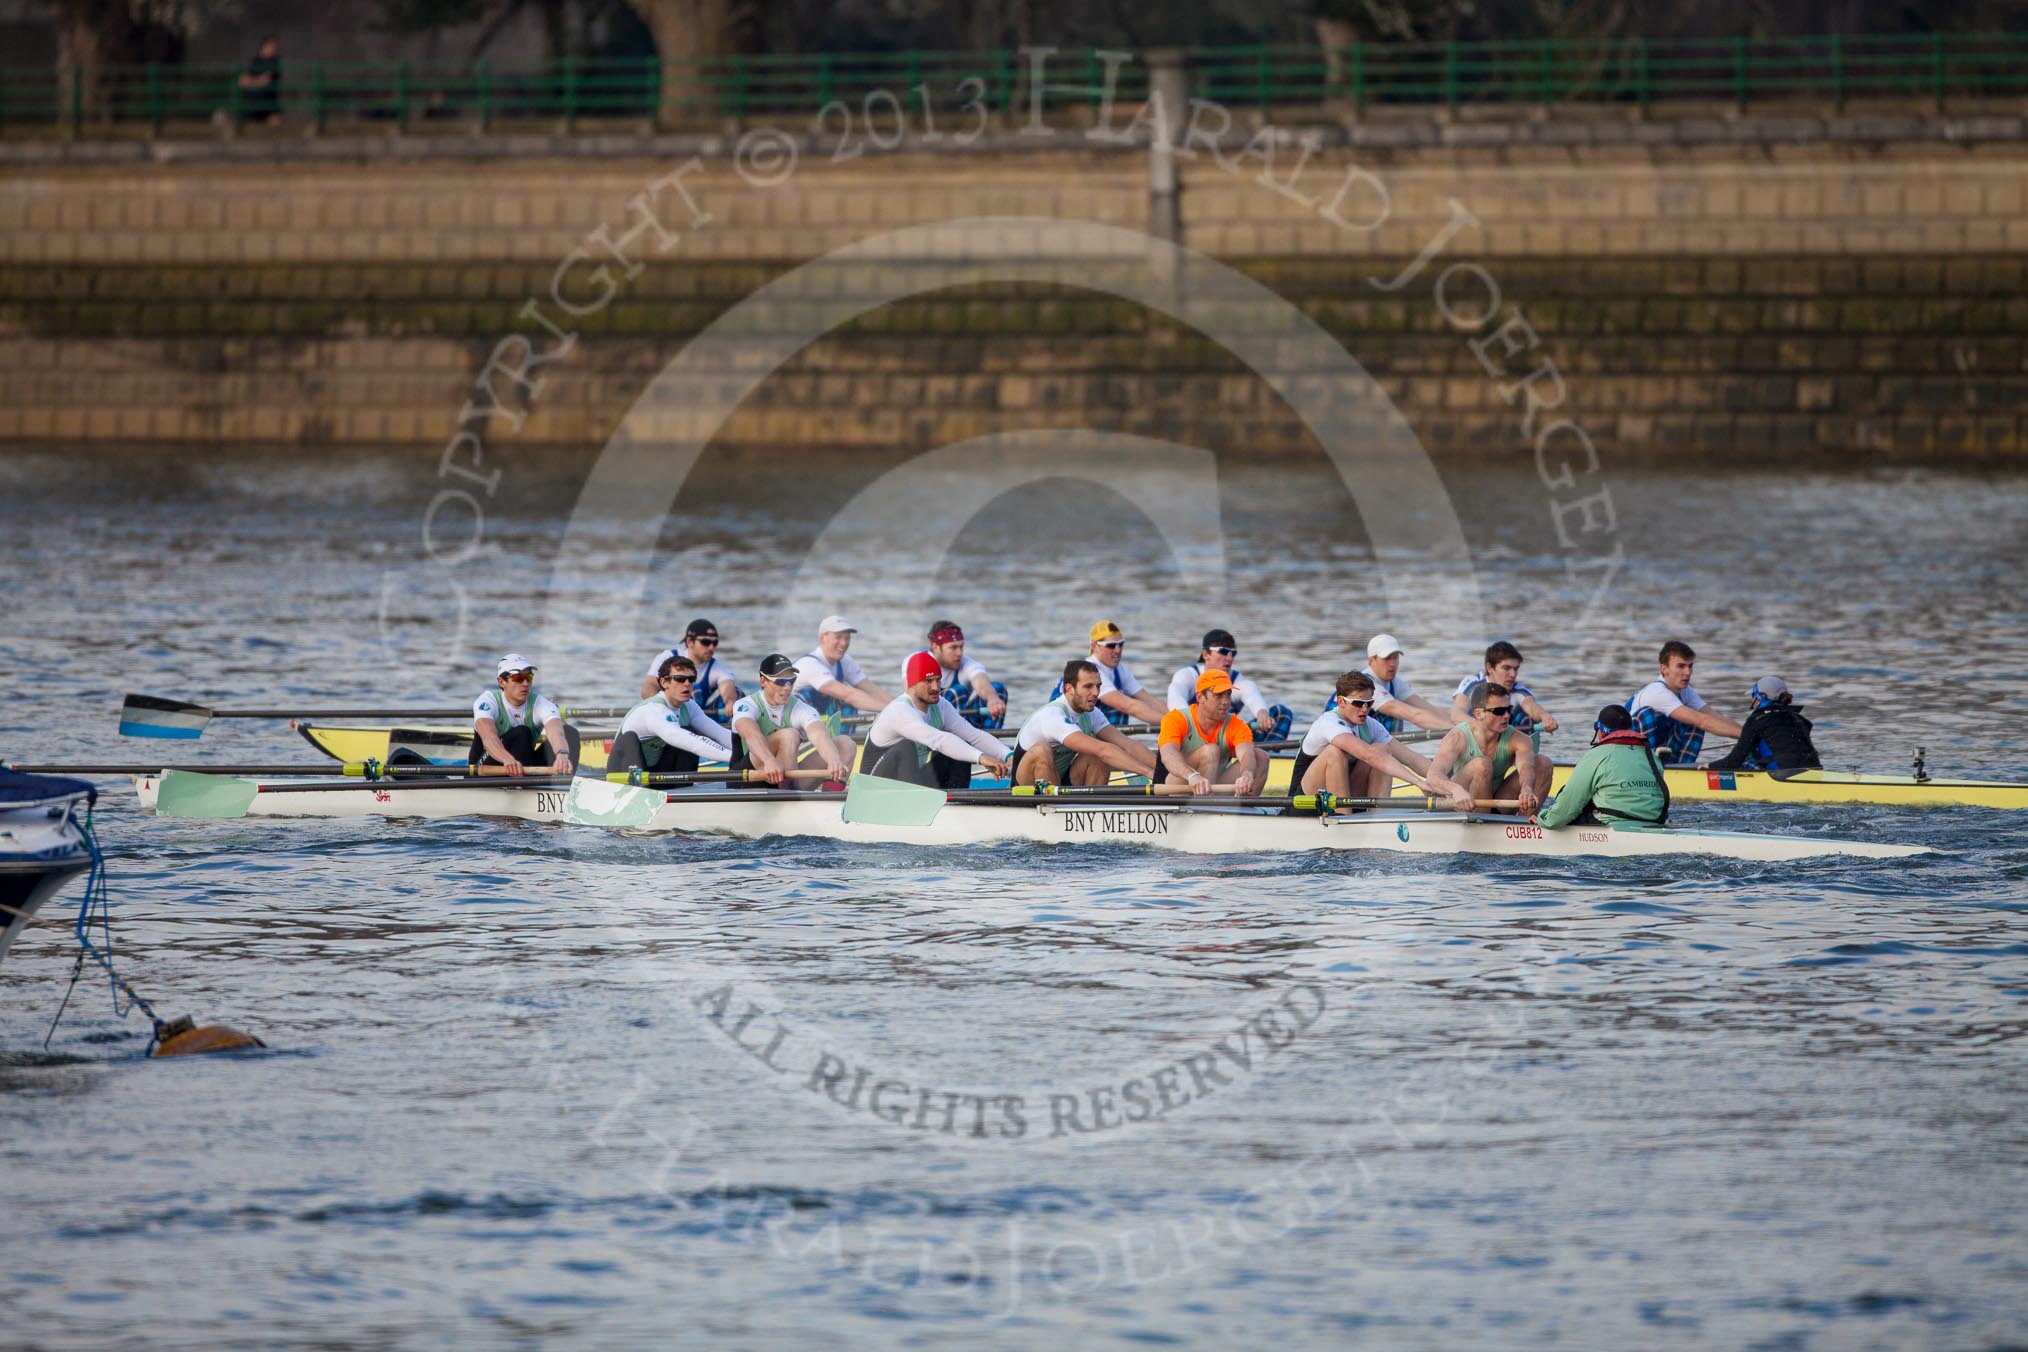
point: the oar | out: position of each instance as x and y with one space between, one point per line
373 770
185 793
649 780
153 716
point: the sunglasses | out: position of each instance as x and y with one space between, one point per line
1114 647
1357 703
1224 652
1500 710
706 640
527 675
784 682
679 680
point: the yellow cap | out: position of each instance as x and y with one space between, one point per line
1105 631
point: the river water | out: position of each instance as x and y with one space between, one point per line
534 1084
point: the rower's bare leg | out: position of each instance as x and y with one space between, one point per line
1326 774
1252 758
1038 763
1475 779
783 744
1088 771
846 752
1545 771
1209 761
1369 781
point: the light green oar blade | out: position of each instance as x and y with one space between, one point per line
890 802
184 793
594 802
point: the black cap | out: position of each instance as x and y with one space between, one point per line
775 666
700 627
1614 718
1219 638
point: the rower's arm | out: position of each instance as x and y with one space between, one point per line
489 737
1180 769
650 687
866 696
728 692
559 745
1132 706
1414 760
1417 710
1533 708
1705 719
982 686
1461 708
1378 758
827 745
1112 746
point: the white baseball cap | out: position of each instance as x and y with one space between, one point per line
836 624
1383 645
513 662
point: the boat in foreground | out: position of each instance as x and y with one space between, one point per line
42 846
1687 784
1166 824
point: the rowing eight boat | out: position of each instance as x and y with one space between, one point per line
1194 828
1686 783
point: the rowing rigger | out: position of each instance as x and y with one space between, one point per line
1196 826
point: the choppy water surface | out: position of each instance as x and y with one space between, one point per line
541 1083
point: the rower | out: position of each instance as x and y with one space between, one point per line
1503 664
1671 714
1218 653
920 738
671 733
1397 702
1068 741
1120 693
1617 780
829 679
1488 759
1205 745
1347 754
717 692
1775 736
506 719
963 681
770 725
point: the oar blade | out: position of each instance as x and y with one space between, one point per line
891 802
185 793
150 716
594 802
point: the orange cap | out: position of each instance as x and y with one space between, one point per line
1213 682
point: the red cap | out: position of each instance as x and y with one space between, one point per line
921 667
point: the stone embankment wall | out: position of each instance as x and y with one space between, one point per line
1785 295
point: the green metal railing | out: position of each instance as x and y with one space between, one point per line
880 97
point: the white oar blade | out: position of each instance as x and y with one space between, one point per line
186 794
148 716
595 802
891 802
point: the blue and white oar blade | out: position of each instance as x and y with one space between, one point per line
148 716
891 802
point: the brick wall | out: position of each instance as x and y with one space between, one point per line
1725 298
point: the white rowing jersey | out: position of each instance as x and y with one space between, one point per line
712 674
941 729
1664 701
1118 678
1247 699
1054 722
952 684
492 707
687 728
770 718
812 671
1332 725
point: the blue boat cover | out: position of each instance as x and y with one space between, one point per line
17 790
